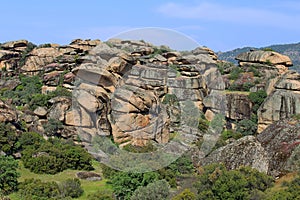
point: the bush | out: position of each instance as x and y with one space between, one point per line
125 183
103 195
158 190
257 98
35 189
246 127
185 195
54 156
8 175
52 127
216 182
71 188
8 139
235 73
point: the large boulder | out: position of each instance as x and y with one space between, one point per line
281 142
7 114
269 63
275 151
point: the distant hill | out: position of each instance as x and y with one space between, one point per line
291 50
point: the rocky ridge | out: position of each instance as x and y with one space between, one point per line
137 92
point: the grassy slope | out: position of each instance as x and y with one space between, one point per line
89 187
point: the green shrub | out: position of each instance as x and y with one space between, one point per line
35 189
158 190
246 127
52 127
235 73
216 182
8 139
71 188
125 183
257 98
54 156
185 195
8 175
101 194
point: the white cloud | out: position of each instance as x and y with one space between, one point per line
233 14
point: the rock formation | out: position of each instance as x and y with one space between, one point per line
282 103
270 152
270 63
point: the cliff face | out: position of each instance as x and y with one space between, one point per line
128 89
282 103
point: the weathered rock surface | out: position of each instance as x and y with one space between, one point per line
7 114
280 141
282 103
269 63
274 151
246 151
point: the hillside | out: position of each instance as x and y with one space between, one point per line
291 50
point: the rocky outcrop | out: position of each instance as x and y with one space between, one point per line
274 151
140 97
281 140
272 63
282 103
246 151
7 114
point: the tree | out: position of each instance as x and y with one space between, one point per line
125 183
246 127
71 188
216 182
158 190
8 175
185 195
8 139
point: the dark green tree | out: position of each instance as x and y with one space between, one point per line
125 183
8 139
8 175
158 190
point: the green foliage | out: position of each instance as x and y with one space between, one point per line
226 134
257 98
107 171
125 183
27 92
241 87
203 124
268 49
101 194
158 190
183 165
216 182
185 195
52 127
8 139
35 189
235 73
30 140
54 156
29 48
8 175
140 149
246 127
71 188
60 91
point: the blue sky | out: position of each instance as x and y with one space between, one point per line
220 25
